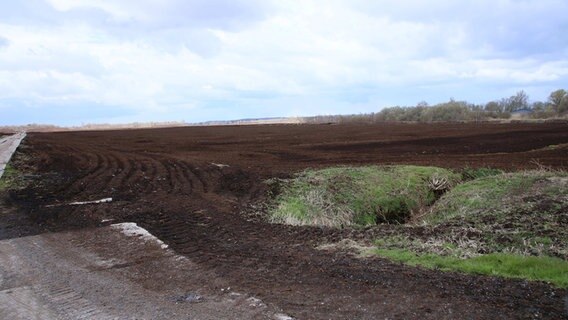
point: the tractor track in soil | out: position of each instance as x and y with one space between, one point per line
169 181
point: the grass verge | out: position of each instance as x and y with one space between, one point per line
343 196
552 270
9 178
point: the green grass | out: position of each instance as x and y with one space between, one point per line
342 196
476 173
486 193
552 270
8 178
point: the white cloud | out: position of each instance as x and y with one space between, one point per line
168 56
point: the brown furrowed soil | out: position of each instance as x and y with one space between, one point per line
189 187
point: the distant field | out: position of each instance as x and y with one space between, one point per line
201 191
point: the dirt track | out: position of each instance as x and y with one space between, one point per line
174 183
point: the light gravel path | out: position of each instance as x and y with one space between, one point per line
113 272
8 146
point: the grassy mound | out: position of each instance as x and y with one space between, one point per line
497 192
343 196
523 213
488 222
511 225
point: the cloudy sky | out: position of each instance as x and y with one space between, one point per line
70 62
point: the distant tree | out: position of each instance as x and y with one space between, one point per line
559 100
494 107
504 104
542 110
422 104
563 107
556 97
539 106
517 102
458 110
477 111
452 111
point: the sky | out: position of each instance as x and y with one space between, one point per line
73 62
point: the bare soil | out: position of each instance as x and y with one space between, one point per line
190 186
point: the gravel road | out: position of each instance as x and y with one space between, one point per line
114 272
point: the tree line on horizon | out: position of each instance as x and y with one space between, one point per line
516 106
